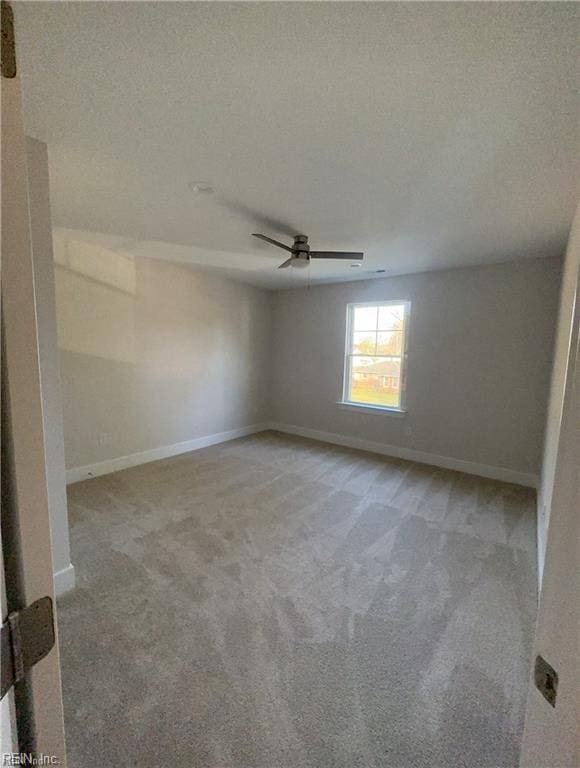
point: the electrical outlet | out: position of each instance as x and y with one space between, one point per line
104 438
409 431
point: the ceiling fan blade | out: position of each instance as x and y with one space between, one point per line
351 256
274 242
287 263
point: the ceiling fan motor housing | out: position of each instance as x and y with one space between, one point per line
301 249
300 253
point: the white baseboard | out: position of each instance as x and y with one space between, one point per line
447 462
75 474
64 580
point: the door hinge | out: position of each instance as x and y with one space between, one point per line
546 680
27 637
8 50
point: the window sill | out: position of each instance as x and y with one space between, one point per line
362 408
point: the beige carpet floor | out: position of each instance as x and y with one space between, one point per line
275 602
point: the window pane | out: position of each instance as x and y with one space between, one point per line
390 343
361 363
375 381
364 343
391 317
365 318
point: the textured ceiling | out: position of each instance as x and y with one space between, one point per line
428 135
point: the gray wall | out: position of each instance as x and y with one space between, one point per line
480 351
153 353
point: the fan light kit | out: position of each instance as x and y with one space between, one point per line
301 253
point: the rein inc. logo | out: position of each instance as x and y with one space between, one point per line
27 758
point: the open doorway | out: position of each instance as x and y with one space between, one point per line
300 522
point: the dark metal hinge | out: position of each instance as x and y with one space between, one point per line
27 637
8 50
546 680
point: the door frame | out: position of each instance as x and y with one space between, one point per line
552 731
25 514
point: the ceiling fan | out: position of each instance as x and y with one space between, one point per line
301 253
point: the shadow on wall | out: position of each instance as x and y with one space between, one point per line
153 353
95 299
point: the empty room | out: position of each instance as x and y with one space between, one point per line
289 384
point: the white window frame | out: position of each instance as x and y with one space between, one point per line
354 404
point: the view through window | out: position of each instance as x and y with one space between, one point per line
375 354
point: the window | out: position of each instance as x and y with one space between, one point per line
376 342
